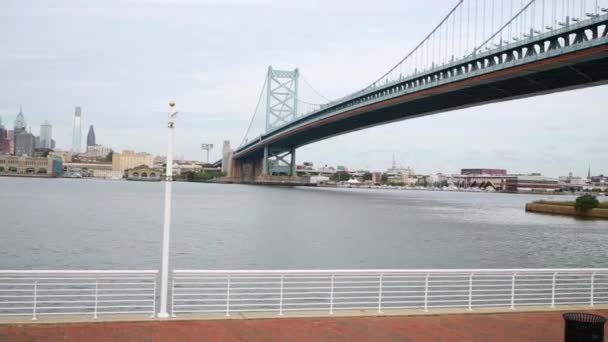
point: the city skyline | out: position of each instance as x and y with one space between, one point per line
125 94
392 163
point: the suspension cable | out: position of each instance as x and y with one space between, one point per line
255 112
313 89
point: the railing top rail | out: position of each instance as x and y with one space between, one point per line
351 271
78 272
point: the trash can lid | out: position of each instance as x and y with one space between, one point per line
584 317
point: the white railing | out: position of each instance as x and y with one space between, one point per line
225 291
83 293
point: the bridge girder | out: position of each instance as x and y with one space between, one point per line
570 58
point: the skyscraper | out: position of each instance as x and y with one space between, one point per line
24 144
46 135
19 129
76 142
3 135
90 137
20 122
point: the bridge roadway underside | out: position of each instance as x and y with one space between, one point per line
578 69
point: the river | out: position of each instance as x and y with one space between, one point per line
95 224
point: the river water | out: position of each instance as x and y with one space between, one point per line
94 224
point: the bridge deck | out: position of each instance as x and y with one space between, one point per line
514 326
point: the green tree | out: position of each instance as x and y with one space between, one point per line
340 176
586 202
108 158
367 176
384 178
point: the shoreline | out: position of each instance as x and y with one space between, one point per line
564 210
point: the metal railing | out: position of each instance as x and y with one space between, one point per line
63 292
280 291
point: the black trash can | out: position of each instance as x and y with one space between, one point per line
583 327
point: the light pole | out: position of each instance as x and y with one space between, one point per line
164 281
207 147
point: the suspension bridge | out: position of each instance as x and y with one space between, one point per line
482 51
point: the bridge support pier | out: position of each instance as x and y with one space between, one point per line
277 167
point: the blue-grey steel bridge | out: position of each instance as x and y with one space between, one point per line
482 51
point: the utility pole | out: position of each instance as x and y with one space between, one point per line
164 284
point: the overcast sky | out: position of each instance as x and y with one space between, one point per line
121 61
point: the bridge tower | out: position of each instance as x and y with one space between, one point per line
281 97
281 109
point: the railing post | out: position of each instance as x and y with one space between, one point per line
228 297
154 300
471 292
35 300
96 297
281 298
426 292
513 291
553 290
331 296
592 294
380 293
173 296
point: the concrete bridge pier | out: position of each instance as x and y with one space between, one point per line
277 166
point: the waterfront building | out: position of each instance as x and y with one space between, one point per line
76 136
143 173
90 137
404 175
535 183
599 180
129 159
484 182
184 167
66 156
51 166
94 170
377 178
478 172
326 170
481 178
46 135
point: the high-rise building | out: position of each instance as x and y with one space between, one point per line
21 145
46 135
6 142
20 124
24 144
10 134
90 137
3 134
76 142
3 138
